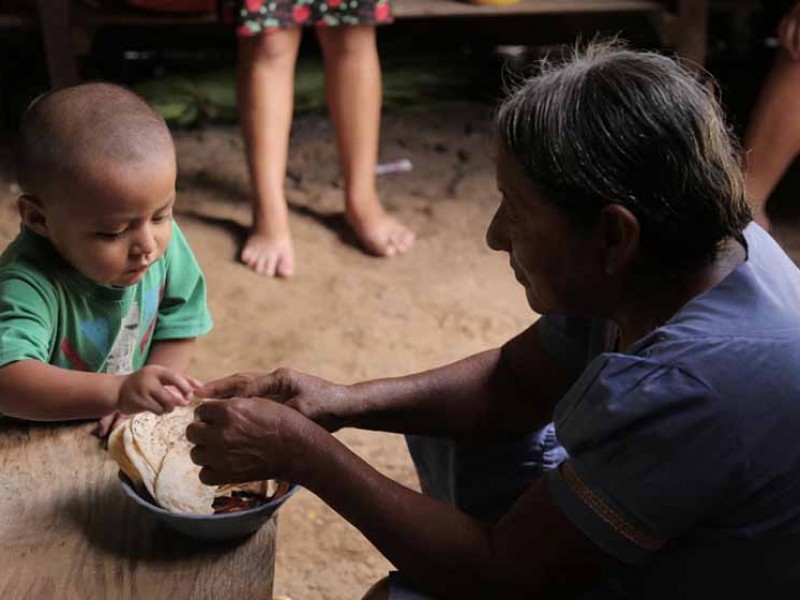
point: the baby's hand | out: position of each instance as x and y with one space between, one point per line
153 388
108 424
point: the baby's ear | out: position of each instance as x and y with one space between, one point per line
32 214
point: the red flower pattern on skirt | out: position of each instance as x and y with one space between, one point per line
301 13
251 17
383 13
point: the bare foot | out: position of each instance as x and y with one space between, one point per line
269 254
380 233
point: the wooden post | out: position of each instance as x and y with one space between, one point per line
691 30
54 16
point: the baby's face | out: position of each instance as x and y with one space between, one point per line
116 221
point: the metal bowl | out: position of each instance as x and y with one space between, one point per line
220 527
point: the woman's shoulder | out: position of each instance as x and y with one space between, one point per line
756 305
696 381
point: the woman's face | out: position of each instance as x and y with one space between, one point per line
559 269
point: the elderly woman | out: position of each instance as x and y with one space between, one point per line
667 356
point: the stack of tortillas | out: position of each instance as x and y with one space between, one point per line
153 452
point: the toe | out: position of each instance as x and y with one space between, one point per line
285 267
254 263
270 265
247 256
396 244
260 265
401 239
406 240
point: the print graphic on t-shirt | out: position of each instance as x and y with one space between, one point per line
150 300
72 360
120 358
96 331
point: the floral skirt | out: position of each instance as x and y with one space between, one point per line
251 17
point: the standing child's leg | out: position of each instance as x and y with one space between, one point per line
353 92
773 136
266 98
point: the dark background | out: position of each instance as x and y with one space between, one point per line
472 49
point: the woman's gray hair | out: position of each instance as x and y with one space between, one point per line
612 125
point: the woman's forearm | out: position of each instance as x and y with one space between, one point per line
449 400
511 389
532 551
440 548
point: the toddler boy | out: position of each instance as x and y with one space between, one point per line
101 297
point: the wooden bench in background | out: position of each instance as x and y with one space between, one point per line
68 24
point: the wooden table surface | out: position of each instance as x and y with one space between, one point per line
68 531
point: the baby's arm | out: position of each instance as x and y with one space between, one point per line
30 389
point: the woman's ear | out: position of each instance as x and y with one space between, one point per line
620 230
32 214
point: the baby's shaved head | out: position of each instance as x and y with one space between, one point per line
68 131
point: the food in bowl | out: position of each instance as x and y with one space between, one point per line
154 454
219 527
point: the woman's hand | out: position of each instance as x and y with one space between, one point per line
249 439
789 32
325 403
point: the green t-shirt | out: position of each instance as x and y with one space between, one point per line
51 313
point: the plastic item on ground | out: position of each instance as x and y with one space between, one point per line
398 166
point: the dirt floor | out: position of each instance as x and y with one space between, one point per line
346 316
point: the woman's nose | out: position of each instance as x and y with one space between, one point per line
496 235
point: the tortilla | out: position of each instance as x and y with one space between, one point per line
154 453
155 434
116 448
147 474
178 487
